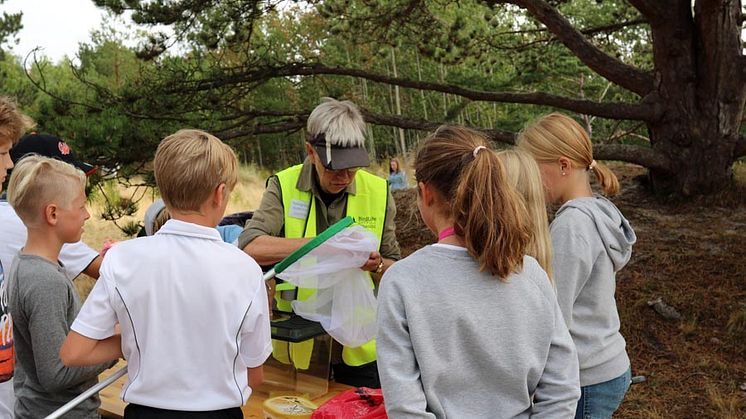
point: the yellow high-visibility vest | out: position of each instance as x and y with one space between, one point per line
367 206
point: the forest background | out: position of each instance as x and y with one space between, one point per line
660 84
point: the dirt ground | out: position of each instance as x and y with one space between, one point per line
692 255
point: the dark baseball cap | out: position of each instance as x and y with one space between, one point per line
48 146
336 157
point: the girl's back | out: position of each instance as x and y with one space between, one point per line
469 327
482 347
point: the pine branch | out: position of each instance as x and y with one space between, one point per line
646 111
298 121
644 156
653 10
611 68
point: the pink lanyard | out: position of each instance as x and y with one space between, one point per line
446 232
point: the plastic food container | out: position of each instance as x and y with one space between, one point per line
288 407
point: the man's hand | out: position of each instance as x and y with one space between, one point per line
270 284
374 263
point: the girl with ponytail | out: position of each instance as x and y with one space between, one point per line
470 326
591 241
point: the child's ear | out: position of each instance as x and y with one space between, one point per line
50 214
426 193
220 195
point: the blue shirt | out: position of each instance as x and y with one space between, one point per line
397 180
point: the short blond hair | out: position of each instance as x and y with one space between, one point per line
38 181
524 175
556 135
13 123
189 165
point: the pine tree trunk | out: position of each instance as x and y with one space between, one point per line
419 77
702 90
402 143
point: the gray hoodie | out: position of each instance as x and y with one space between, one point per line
591 241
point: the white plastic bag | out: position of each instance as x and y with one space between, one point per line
344 303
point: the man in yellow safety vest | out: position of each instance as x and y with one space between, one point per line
304 200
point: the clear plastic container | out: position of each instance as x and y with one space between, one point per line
299 364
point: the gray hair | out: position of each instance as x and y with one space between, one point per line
340 121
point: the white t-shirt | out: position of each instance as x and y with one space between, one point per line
75 256
193 314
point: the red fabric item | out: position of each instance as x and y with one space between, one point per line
358 403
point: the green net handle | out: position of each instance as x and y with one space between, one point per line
314 243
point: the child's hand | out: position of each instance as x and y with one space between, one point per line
108 244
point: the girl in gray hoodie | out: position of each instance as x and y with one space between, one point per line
591 241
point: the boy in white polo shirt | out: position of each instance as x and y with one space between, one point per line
193 310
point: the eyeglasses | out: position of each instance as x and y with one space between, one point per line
350 172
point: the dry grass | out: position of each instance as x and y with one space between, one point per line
730 405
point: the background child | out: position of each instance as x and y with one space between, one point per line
397 177
470 327
591 241
523 174
13 124
157 214
193 309
49 196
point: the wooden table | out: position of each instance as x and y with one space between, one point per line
113 407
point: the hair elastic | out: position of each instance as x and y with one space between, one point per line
592 165
477 149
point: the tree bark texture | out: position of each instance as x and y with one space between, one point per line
701 90
697 89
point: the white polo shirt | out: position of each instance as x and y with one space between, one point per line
193 313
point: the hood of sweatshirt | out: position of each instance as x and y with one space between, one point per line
615 232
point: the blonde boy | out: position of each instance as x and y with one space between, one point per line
193 309
49 197
76 257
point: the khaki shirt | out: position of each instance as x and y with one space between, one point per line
269 219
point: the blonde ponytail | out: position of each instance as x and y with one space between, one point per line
607 179
523 174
